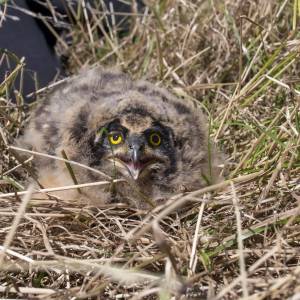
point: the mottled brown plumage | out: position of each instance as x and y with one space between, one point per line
131 130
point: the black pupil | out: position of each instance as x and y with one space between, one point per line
155 138
115 137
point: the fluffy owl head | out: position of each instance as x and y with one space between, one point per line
137 146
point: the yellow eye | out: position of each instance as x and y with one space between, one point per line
155 139
115 138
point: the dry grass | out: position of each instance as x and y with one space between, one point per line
240 59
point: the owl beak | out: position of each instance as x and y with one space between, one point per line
135 160
135 167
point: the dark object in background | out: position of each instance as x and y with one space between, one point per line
24 38
29 37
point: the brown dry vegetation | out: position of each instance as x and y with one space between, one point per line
240 59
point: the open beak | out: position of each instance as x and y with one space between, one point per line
136 160
135 166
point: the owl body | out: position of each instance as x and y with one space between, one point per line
158 144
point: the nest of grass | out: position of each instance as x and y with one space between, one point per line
240 60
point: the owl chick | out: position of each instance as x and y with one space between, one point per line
126 129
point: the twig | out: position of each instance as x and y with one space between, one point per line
240 241
63 188
9 237
193 259
133 235
71 172
59 158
